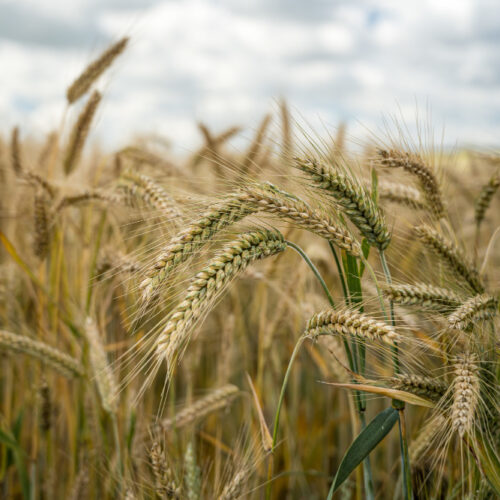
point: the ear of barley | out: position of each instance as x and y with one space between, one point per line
110 259
153 195
298 212
423 295
38 181
80 132
426 387
347 322
191 239
234 487
401 194
41 226
165 483
104 376
356 203
142 156
451 255
86 196
256 145
286 131
474 309
206 286
94 70
414 165
192 476
483 201
79 490
220 398
53 357
420 447
15 152
465 389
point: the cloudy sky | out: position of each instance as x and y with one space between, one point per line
226 61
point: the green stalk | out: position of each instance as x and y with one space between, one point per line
313 269
399 405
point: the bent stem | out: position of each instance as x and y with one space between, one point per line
314 269
278 411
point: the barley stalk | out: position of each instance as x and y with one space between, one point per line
414 165
474 309
347 322
94 70
465 389
352 197
451 255
56 359
80 132
423 295
209 283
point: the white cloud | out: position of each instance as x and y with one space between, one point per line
223 62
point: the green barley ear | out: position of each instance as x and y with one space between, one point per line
207 285
270 200
423 295
426 387
192 477
191 239
353 199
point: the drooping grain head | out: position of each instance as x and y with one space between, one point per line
353 199
94 70
465 393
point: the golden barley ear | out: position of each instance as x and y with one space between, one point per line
347 322
79 133
414 165
51 356
458 263
41 239
485 197
94 70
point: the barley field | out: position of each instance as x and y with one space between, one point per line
310 316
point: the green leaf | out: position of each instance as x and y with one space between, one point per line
8 440
367 440
365 248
